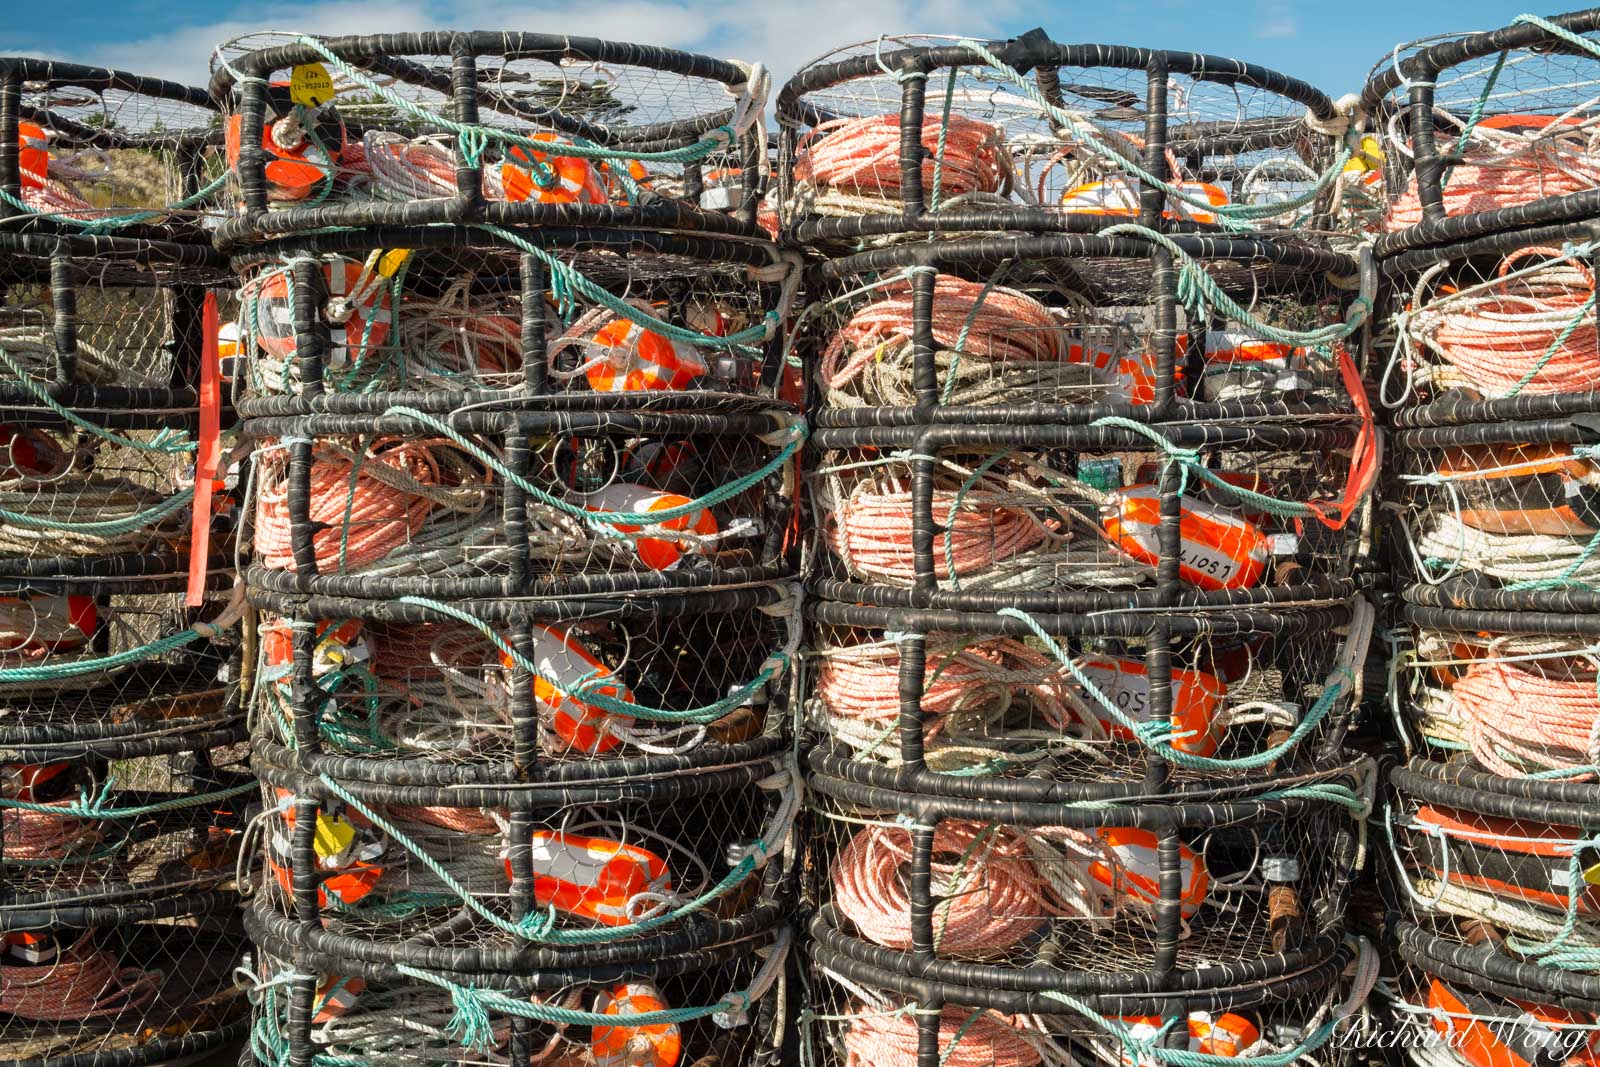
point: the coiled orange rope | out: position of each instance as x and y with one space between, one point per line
863 155
85 982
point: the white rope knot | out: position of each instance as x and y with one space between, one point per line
1346 113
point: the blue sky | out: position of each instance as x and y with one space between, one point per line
1330 45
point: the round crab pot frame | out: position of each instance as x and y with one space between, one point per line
501 128
504 693
1488 131
1070 518
1017 708
1030 897
1459 1021
1498 328
559 317
517 879
918 135
720 1006
858 1022
89 150
481 502
112 986
1491 880
110 327
1070 329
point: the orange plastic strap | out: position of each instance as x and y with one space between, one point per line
208 454
1363 457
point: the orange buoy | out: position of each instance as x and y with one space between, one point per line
593 878
654 1045
1218 548
657 553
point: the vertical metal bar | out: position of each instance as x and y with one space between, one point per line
514 511
312 338
913 101
924 346
535 360
64 304
1425 150
924 527
1152 201
252 165
10 143
297 493
923 945
1164 334
1158 668
913 673
464 100
305 695
1169 908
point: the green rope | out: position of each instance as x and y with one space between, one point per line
1156 735
105 527
944 135
87 807
1555 345
167 442
49 672
116 222
1474 118
1557 31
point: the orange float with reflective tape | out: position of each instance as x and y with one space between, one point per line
336 994
653 1045
1196 699
22 781
1509 859
1118 196
576 181
640 360
657 553
295 166
1524 489
28 948
346 844
1488 1031
1134 373
354 336
1136 873
33 155
53 623
593 878
1219 549
1225 1035
564 663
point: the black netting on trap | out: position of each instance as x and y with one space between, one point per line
493 127
1015 706
859 1017
510 878
1486 132
490 503
126 985
88 150
1095 898
719 1007
598 318
502 692
1074 328
1056 518
916 133
1497 328
1491 881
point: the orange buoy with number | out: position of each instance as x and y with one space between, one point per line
1507 858
640 360
1196 699
1118 195
47 623
1219 549
346 844
1488 1031
33 155
563 663
361 296
594 878
657 553
575 180
295 167
1136 872
1225 1035
651 1045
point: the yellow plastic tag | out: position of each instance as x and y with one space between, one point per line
392 261
1368 157
1592 874
333 836
310 85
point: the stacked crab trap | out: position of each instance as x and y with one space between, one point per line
123 783
519 542
1087 474
1487 269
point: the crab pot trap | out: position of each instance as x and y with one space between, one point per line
1075 328
1487 132
569 318
911 135
486 129
1020 905
88 150
542 896
859 1023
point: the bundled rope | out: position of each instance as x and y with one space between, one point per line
369 504
967 1038
860 158
1525 331
1002 888
1528 560
31 353
84 982
1492 168
34 835
59 502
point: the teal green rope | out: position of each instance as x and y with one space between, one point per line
166 442
1474 118
49 672
1555 345
87 807
944 135
1555 952
1557 31
116 222
1156 735
606 522
105 527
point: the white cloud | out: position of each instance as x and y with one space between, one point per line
782 35
1277 29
